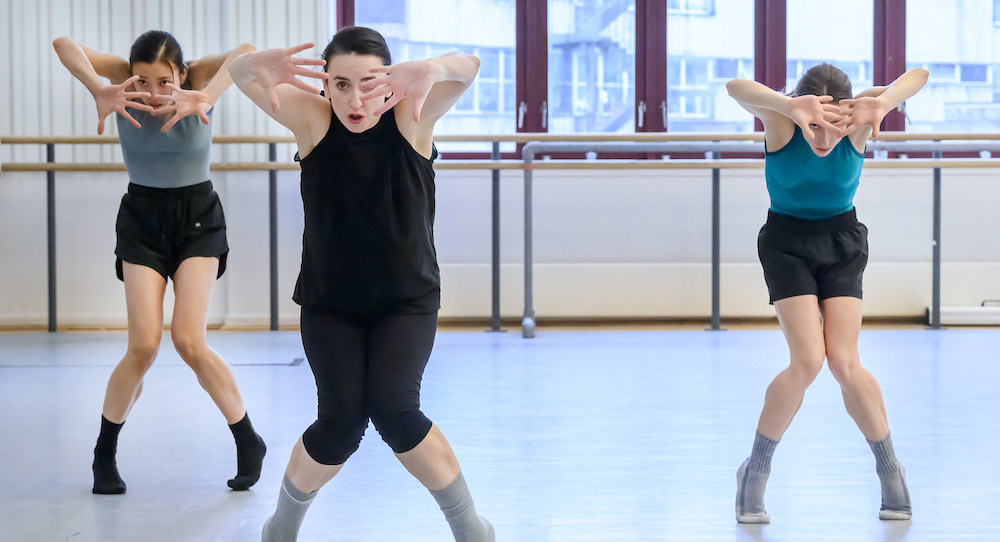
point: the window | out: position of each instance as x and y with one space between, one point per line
940 71
726 68
591 66
699 64
418 29
691 7
973 73
962 93
849 48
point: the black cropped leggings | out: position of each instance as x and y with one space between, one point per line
366 368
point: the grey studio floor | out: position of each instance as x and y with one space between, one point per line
571 436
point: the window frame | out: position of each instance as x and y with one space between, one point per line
530 80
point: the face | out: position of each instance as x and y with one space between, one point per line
343 88
153 78
823 140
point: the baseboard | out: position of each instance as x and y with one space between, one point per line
967 316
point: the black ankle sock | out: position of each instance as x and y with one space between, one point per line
106 478
250 450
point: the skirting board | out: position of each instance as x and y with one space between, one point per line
968 316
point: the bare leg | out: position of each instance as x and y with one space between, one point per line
193 284
863 399
862 395
305 473
144 289
803 328
432 462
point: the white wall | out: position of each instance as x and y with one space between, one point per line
38 96
607 243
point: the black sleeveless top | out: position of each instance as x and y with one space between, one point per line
368 244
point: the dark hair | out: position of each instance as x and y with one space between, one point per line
157 46
824 80
357 40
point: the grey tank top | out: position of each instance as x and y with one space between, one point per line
172 159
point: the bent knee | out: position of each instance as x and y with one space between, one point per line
808 365
142 352
402 430
190 346
333 441
844 366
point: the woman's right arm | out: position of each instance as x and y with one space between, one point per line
84 62
89 66
270 79
780 113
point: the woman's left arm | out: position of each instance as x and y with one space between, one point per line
867 111
209 78
424 89
210 74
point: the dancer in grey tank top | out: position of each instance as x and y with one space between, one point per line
170 225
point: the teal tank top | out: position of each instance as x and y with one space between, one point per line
172 159
804 185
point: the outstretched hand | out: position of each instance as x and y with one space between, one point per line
819 110
412 79
861 111
182 103
273 67
114 99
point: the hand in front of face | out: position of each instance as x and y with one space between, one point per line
412 80
809 110
273 67
182 103
114 99
861 111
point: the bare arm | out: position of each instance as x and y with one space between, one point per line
780 113
870 92
210 74
270 79
88 66
424 90
866 112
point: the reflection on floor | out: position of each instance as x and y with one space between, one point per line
572 436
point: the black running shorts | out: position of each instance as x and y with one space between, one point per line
825 257
161 227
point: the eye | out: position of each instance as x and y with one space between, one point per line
814 126
341 85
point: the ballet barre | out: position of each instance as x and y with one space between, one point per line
713 149
712 145
50 167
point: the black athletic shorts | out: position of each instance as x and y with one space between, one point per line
161 227
825 257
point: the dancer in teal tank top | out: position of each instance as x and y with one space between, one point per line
170 226
814 251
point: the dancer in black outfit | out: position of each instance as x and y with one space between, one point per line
369 283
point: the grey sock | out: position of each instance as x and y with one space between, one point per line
895 495
456 503
283 525
752 481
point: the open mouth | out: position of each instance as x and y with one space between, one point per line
355 118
